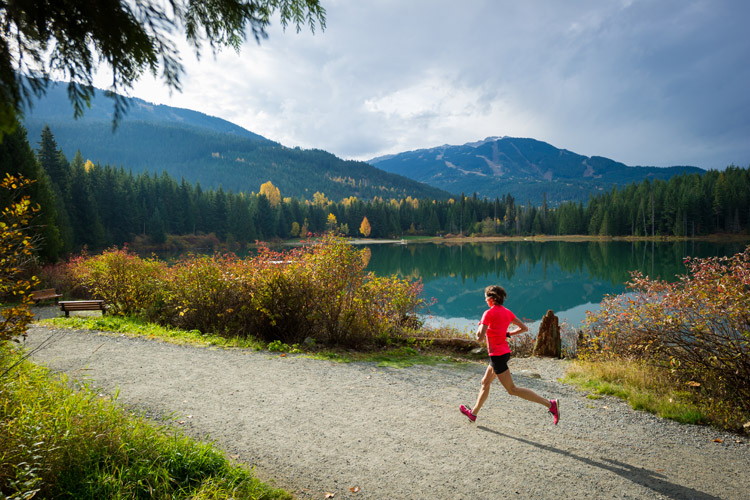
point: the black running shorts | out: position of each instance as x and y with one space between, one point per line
500 363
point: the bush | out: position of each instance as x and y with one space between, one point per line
127 283
17 251
59 277
320 291
207 294
698 327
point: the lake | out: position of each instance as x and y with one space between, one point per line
567 277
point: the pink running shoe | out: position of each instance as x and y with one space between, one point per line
554 410
467 411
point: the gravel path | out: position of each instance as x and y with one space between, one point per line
315 427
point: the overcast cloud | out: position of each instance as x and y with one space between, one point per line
644 82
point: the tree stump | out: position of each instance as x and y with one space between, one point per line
548 340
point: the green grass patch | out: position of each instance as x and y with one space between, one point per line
56 442
417 238
644 387
410 353
136 327
337 357
404 357
393 358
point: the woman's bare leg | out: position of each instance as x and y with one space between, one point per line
484 392
527 394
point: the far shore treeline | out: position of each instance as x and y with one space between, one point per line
98 206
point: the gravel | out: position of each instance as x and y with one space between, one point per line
360 431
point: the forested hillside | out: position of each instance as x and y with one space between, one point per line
207 150
530 170
84 204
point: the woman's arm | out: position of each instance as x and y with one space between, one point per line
522 328
481 332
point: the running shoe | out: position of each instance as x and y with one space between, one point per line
467 411
554 410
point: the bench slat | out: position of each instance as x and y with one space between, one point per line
82 305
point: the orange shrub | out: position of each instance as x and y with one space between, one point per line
320 290
127 283
698 326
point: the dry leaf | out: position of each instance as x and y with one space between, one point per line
693 383
354 489
181 422
717 440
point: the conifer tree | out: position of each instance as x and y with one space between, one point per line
72 39
87 226
17 159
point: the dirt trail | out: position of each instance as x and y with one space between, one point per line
316 426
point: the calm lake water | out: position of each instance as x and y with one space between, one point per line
567 277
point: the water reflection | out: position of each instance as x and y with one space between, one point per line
567 277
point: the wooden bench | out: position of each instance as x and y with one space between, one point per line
82 305
40 295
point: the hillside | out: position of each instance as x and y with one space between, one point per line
525 168
205 149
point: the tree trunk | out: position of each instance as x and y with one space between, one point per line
548 340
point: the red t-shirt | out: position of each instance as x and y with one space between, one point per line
497 319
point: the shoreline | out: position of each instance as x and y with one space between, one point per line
452 239
543 238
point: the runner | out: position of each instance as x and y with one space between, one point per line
494 327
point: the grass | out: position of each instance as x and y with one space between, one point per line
56 442
136 327
394 353
643 386
392 357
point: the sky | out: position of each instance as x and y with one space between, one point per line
643 82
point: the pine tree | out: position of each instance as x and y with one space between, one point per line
87 226
56 166
17 158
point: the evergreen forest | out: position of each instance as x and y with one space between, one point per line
97 206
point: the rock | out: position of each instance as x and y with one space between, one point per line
530 374
548 340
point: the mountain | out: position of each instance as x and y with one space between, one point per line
526 168
205 149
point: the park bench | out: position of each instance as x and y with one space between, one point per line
82 305
40 295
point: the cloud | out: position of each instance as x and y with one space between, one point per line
642 82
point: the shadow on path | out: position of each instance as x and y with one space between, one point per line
644 477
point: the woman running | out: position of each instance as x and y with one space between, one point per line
494 327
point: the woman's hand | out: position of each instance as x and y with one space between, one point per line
521 327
